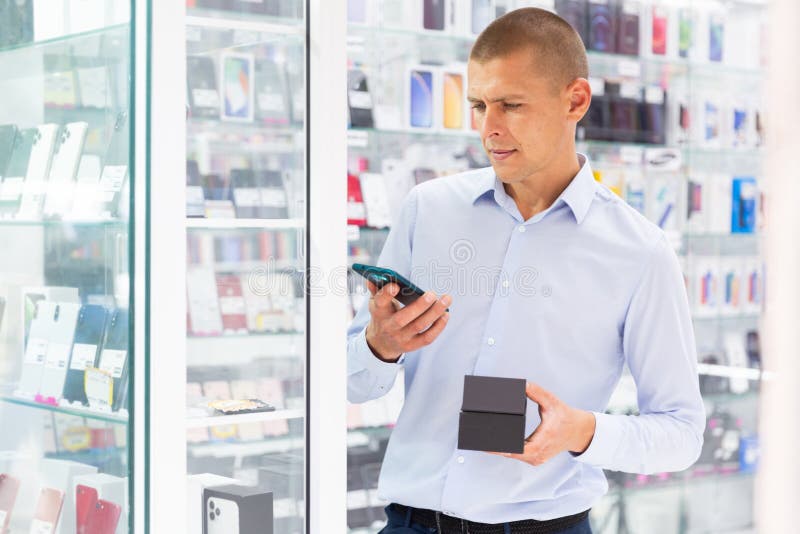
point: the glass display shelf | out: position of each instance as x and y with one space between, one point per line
88 413
65 223
233 20
259 417
237 224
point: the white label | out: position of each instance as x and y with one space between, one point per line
270 101
231 305
273 198
41 527
630 8
33 193
353 232
629 69
219 209
246 197
57 356
113 177
598 86
36 350
631 154
629 90
83 356
654 95
355 210
99 387
194 194
205 98
360 100
112 361
11 189
599 2
357 138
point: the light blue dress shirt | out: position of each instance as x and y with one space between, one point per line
565 300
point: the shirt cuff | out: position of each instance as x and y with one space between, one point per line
607 438
384 372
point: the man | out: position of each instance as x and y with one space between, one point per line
554 280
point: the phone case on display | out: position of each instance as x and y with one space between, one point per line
59 347
195 197
359 99
115 168
628 28
376 200
88 338
9 487
743 212
576 14
66 160
48 511
8 133
114 355
433 16
202 87
36 348
85 499
103 518
596 124
601 26
716 37
14 180
33 192
652 117
231 304
420 111
453 87
246 197
685 32
203 303
356 211
660 22
272 97
624 105
274 204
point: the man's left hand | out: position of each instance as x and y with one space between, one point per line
562 428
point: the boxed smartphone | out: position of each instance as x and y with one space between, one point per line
61 474
237 510
195 485
493 414
602 30
103 486
575 12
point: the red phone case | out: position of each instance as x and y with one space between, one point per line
659 33
103 518
231 303
48 507
85 499
8 494
356 211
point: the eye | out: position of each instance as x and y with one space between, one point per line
511 106
480 106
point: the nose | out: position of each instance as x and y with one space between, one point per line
493 123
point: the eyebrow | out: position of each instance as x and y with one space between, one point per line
498 99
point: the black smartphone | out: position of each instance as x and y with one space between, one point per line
381 276
88 336
433 14
114 355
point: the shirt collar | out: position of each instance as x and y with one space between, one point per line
578 194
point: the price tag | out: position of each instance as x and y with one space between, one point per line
246 197
113 177
231 305
629 90
205 98
273 198
113 361
360 99
357 139
353 232
57 356
41 527
83 356
36 350
99 387
598 86
631 154
270 102
76 438
654 95
629 68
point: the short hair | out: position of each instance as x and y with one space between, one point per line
555 45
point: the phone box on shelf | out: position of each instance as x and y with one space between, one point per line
492 414
744 199
61 474
705 286
237 510
195 485
109 488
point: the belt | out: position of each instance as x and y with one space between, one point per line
446 524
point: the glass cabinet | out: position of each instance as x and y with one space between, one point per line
675 128
66 323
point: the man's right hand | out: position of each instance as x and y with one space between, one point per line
392 332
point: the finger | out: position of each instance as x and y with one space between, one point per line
429 336
415 309
372 287
539 395
425 320
382 301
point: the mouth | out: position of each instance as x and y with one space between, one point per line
500 155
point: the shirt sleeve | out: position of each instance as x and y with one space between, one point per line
659 347
369 377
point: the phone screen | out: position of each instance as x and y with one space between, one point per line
421 98
453 100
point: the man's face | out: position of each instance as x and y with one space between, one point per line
523 116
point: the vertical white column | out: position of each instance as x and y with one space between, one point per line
161 135
327 392
778 486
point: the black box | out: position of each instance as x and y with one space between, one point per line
237 510
493 414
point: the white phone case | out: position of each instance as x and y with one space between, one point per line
68 151
36 349
60 338
376 199
38 169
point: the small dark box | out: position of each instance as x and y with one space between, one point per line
237 510
493 414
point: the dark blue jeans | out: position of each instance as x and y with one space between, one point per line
398 523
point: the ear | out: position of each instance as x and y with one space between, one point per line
579 95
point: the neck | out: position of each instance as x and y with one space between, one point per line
538 191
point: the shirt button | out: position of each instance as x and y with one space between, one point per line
490 341
460 459
521 229
505 283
